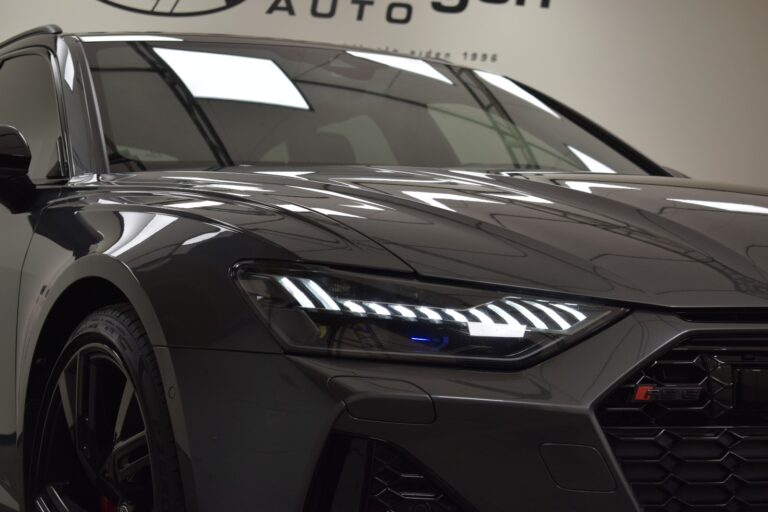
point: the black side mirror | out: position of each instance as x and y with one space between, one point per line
15 156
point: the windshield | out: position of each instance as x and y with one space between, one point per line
169 104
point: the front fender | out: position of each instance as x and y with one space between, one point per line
47 278
173 266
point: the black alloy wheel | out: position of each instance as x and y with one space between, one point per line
106 443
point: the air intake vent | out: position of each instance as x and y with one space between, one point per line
691 429
397 486
371 476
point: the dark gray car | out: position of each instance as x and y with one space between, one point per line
242 274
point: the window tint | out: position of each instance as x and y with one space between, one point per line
28 103
171 105
138 96
366 138
472 134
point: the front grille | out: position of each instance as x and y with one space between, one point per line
691 429
366 475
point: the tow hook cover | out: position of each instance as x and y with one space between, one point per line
385 400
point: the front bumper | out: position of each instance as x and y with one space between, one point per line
253 430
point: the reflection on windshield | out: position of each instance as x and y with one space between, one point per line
507 85
169 104
219 76
416 66
592 164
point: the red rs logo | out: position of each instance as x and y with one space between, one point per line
645 393
674 393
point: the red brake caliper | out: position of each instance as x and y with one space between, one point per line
106 506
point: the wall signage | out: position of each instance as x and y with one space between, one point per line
173 7
397 11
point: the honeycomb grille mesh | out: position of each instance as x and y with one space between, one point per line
357 474
705 451
397 486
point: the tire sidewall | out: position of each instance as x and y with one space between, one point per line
128 346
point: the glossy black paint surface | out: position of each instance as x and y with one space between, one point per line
251 422
15 156
652 241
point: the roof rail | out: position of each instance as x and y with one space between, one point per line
45 29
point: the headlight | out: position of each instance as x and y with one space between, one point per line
335 312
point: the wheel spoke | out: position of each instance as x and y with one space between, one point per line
75 393
68 396
88 410
130 470
95 408
129 457
81 404
91 451
122 410
54 501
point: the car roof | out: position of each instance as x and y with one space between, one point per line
48 33
243 39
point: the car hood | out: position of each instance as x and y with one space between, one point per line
659 241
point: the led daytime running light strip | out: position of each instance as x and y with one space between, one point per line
509 317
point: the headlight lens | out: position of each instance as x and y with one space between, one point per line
327 311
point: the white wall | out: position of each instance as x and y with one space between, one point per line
682 80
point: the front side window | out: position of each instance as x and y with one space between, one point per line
167 105
28 103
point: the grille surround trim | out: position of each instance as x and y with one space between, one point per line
707 456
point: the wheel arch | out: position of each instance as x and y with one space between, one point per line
90 283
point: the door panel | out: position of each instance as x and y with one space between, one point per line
28 103
15 233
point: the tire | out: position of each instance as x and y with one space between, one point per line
106 441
